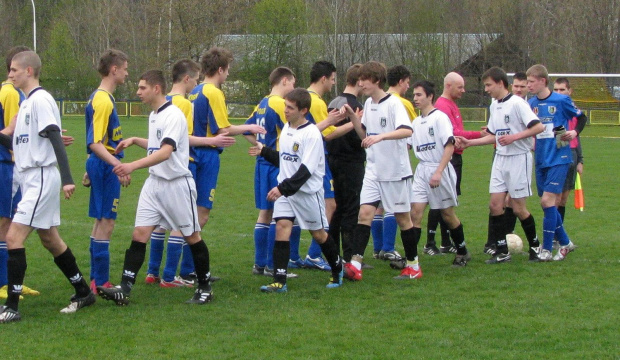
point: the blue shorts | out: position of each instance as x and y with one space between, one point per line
105 189
11 195
328 183
265 179
205 168
551 179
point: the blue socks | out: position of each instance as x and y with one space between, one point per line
4 256
560 233
261 233
376 228
101 261
271 242
173 254
294 243
389 231
157 252
187 261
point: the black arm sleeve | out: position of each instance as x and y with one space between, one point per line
291 185
52 132
271 155
578 149
581 123
6 141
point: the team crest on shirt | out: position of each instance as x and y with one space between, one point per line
551 110
383 122
536 110
295 146
27 119
431 132
507 119
159 134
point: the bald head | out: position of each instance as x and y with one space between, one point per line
26 59
453 86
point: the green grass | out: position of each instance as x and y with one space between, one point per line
517 310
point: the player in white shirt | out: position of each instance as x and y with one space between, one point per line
384 129
168 197
299 194
38 148
512 124
434 182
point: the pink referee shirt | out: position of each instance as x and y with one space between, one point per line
449 107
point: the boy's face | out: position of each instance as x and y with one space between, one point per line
493 88
368 87
519 87
420 99
535 84
291 111
330 82
561 88
18 75
120 73
146 92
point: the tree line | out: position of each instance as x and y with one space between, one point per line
427 37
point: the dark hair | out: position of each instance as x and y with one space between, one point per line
155 77
397 73
353 74
184 67
374 71
279 73
301 98
320 69
520 76
427 86
109 58
563 80
496 74
12 52
214 59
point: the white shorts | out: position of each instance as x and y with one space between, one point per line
395 196
170 204
441 197
307 209
512 174
40 204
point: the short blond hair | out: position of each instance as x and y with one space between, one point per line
538 71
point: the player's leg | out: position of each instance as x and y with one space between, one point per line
16 269
158 238
458 236
411 231
511 217
552 185
261 231
497 227
388 251
64 259
314 260
174 249
376 228
5 222
201 258
330 250
281 250
361 234
529 226
433 218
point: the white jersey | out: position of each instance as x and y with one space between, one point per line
37 112
303 145
168 125
386 160
431 133
511 115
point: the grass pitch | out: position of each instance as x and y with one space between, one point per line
517 310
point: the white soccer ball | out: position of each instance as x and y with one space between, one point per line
515 244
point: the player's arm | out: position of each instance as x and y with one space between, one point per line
52 132
582 120
141 142
159 156
340 131
463 143
401 132
445 159
327 125
269 154
356 120
6 140
233 130
220 140
533 127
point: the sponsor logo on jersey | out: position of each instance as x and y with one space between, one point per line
502 132
290 157
431 132
383 122
21 139
507 119
426 147
551 109
151 150
117 134
296 146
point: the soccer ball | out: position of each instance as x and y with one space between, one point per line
515 244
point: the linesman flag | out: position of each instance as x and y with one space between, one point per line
578 193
